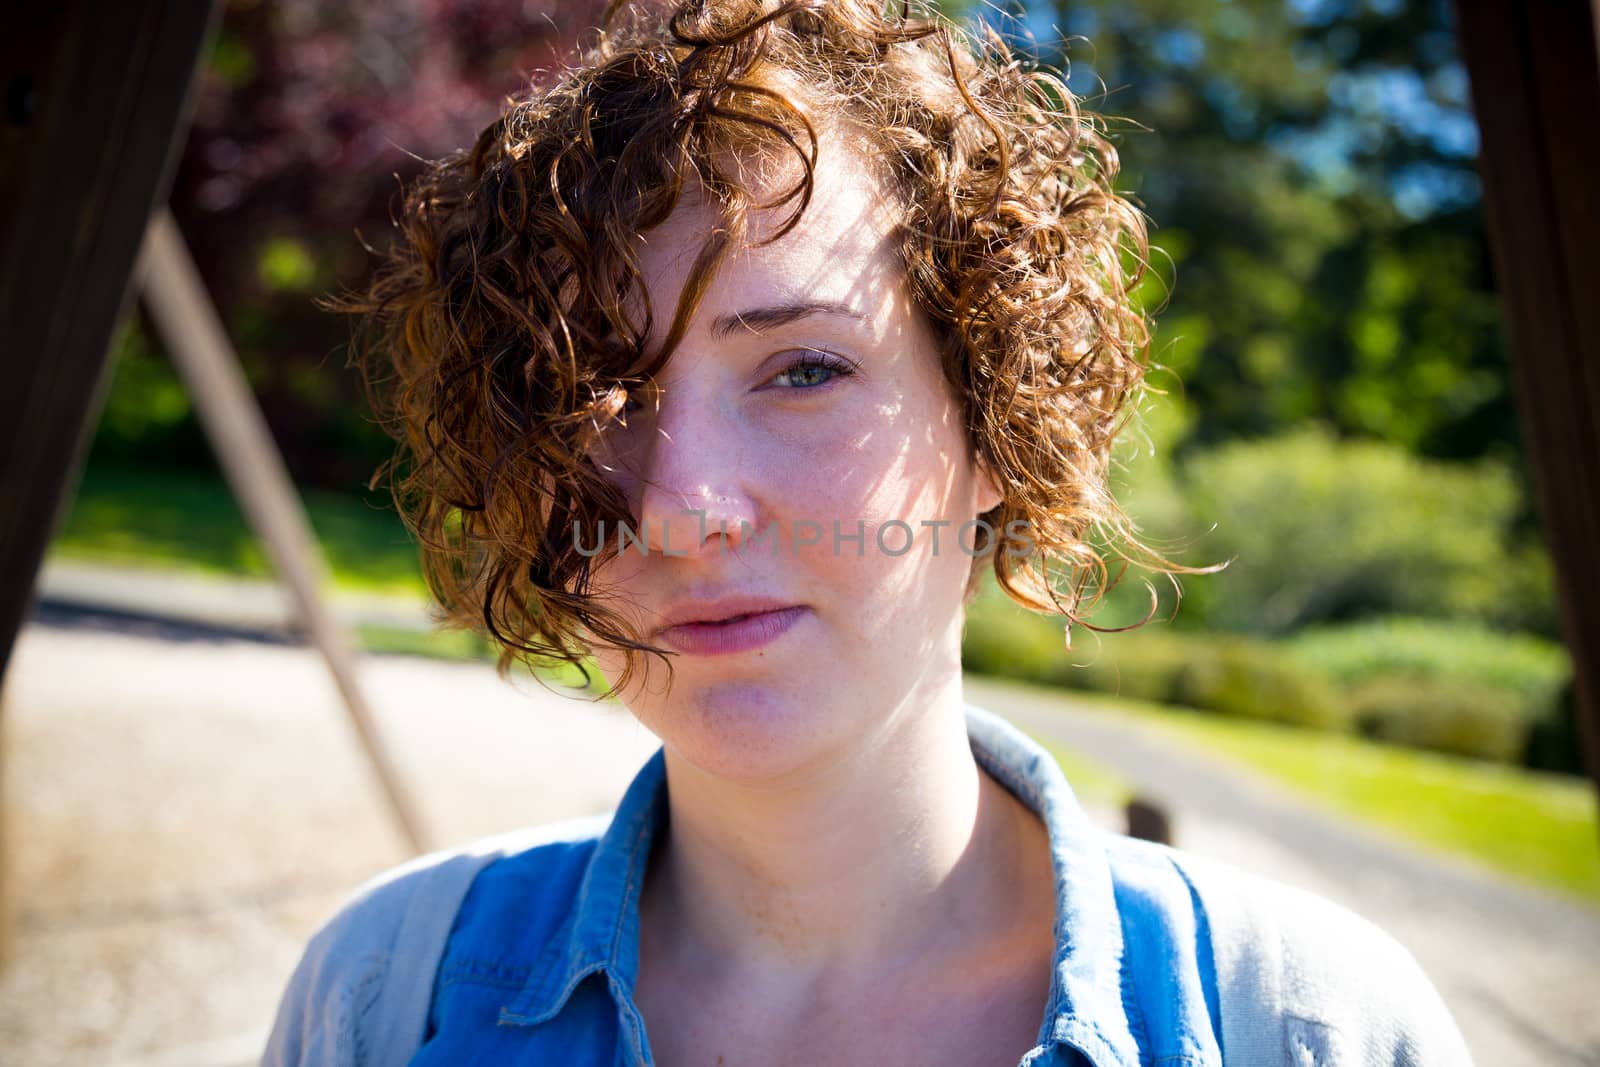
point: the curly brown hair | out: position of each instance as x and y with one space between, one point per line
496 340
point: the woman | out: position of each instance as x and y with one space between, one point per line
736 358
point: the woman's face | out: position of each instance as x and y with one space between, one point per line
805 398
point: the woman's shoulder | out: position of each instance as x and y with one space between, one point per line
376 913
380 948
1297 973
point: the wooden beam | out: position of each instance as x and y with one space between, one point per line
192 330
96 103
1535 73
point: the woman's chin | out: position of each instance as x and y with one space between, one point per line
741 731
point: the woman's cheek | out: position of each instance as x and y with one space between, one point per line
820 474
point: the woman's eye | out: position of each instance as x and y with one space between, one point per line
811 370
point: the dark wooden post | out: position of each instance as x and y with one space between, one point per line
1536 90
1148 820
96 104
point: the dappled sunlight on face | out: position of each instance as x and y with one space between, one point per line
801 446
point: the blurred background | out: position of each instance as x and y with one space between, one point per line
1372 700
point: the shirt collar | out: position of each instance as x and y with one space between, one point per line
1085 1003
601 933
1086 1007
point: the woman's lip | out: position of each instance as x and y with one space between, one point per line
722 638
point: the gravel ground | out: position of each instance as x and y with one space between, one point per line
183 811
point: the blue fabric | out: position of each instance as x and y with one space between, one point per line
541 962
1153 945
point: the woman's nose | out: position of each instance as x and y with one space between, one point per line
692 494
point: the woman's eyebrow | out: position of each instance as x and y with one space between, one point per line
757 319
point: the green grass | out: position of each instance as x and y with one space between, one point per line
464 646
155 518
443 644
1091 782
149 517
1541 828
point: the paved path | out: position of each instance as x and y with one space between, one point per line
183 810
248 606
1520 968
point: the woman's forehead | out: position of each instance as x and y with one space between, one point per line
842 250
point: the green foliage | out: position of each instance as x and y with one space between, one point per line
153 517
146 411
286 264
470 646
1453 686
1320 529
1227 675
231 60
1456 688
1156 667
1252 680
1013 643
1310 170
1532 668
1554 743
308 117
1443 714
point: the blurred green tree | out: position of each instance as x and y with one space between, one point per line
1310 170
1308 166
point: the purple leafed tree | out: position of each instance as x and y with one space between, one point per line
310 114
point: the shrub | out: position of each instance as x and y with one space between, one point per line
1227 675
1322 529
1254 680
1554 743
1532 668
1006 641
1146 667
1457 688
1445 715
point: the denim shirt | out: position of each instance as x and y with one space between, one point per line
540 963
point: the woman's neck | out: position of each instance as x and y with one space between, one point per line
891 852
